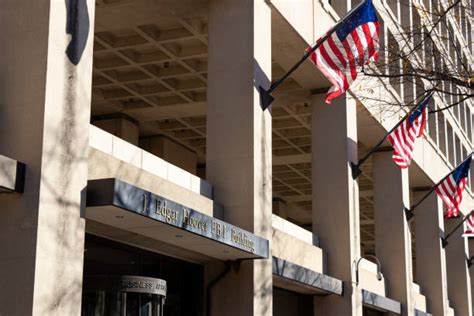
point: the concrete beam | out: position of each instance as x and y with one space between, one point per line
430 255
291 159
168 112
336 196
392 233
459 280
239 135
45 126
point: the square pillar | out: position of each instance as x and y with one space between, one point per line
459 280
45 92
470 242
392 232
120 125
239 158
171 151
430 255
336 198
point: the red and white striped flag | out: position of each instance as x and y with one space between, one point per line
403 137
353 42
451 188
469 232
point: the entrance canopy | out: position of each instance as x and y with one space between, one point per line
125 206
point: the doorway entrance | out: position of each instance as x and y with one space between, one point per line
123 296
108 263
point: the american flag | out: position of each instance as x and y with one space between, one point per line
469 232
403 137
451 188
353 42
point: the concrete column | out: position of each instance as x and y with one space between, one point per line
430 255
171 151
119 125
336 198
392 233
470 242
239 142
459 281
45 87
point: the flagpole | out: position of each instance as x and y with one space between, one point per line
356 167
409 212
265 95
444 241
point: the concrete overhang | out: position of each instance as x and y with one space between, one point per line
12 175
289 43
118 204
299 279
380 303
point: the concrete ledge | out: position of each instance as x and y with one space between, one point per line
129 153
292 229
368 280
420 313
420 299
381 303
12 175
300 279
291 249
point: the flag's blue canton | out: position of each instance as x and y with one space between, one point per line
364 14
463 170
419 110
352 43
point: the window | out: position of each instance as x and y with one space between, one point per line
450 141
459 156
432 118
442 133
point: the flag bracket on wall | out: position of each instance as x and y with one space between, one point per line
469 261
444 242
266 98
408 214
356 171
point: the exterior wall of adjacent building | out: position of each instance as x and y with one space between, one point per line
44 122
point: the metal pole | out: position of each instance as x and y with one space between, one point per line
356 168
265 95
409 212
444 241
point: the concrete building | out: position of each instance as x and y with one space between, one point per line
140 175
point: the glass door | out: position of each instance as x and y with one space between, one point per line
141 304
123 296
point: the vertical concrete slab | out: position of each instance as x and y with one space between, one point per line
470 242
171 151
239 142
430 255
45 86
121 126
336 198
392 233
459 280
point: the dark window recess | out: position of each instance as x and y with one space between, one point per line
185 280
289 303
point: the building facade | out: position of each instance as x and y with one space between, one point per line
140 175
